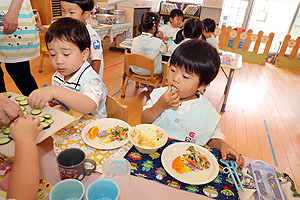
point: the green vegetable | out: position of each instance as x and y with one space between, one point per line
47 116
22 108
45 125
7 95
36 111
20 98
41 118
25 112
173 88
5 130
4 140
23 103
49 121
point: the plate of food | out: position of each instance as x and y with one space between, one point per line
106 133
190 163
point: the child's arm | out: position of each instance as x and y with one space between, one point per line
74 100
170 99
41 28
226 151
24 179
96 65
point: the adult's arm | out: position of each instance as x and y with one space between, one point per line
10 20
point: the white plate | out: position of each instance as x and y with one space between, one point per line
104 124
194 178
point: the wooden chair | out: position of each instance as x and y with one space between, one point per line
166 70
115 109
143 62
44 51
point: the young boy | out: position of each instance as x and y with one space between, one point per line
74 83
209 26
180 109
81 10
169 31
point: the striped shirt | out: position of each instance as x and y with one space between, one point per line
24 43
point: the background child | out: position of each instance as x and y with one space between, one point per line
148 45
24 179
74 83
192 28
169 31
81 10
182 112
209 26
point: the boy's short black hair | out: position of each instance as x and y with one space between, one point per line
70 30
85 5
176 12
209 25
198 57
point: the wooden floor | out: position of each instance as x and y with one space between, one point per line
257 93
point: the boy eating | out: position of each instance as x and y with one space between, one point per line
169 31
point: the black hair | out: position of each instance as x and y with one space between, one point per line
70 30
85 5
148 20
209 25
192 29
176 12
198 57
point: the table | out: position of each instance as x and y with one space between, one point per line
236 64
113 30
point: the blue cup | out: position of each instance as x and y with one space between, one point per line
103 189
70 189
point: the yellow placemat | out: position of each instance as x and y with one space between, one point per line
71 138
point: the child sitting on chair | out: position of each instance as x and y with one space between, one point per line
74 83
149 45
209 26
180 109
81 10
192 28
169 31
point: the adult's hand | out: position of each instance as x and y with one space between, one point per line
9 110
10 22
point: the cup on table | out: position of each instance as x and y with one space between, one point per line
71 164
117 169
105 189
67 189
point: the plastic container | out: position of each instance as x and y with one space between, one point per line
120 16
67 189
102 189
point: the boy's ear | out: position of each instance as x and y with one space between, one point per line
86 14
85 54
202 87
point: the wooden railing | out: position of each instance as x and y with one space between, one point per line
226 33
289 61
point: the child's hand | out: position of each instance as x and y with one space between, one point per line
170 99
41 28
228 152
38 98
25 128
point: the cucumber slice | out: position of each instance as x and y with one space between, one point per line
49 121
4 140
41 118
45 125
5 130
36 111
23 103
20 98
7 95
23 108
47 116
10 137
25 113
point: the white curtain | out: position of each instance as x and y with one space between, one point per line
155 5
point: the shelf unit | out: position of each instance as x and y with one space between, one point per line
189 9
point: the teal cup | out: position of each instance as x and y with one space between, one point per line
103 189
69 189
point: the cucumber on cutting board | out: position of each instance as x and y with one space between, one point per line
41 118
22 108
47 116
49 121
36 111
45 125
5 130
7 95
23 103
4 140
20 98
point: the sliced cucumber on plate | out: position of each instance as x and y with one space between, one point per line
36 111
21 98
5 130
45 125
47 116
4 140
